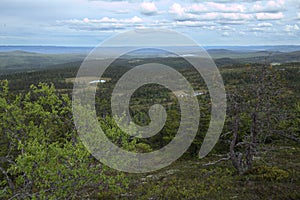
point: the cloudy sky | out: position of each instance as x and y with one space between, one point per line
89 22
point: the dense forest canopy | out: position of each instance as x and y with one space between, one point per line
42 156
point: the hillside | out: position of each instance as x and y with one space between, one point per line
27 61
23 61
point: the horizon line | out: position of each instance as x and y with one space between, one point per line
79 46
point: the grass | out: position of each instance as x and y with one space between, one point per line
190 179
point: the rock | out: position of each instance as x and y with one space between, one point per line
171 171
143 179
149 176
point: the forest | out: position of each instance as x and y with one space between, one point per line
257 155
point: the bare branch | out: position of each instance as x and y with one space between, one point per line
216 162
9 181
289 136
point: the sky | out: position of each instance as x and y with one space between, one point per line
89 22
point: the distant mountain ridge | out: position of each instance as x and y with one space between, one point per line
20 60
85 50
47 49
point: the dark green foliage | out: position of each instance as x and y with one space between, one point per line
43 157
265 173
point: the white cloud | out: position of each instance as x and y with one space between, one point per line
291 28
86 20
122 11
225 16
210 11
198 8
225 34
215 7
225 7
103 20
260 29
264 24
210 16
269 6
226 28
181 13
266 17
269 16
231 22
103 24
149 8
236 16
135 19
177 9
193 23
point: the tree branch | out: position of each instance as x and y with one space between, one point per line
216 162
9 181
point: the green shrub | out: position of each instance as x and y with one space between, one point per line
267 173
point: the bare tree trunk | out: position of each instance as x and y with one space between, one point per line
253 141
236 157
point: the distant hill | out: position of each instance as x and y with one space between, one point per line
272 48
86 50
225 53
26 61
47 49
20 61
278 57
